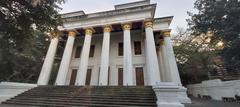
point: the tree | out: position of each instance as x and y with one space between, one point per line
194 56
222 19
23 27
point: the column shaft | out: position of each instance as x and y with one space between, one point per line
103 78
82 71
127 56
66 59
48 62
171 59
161 63
167 73
153 67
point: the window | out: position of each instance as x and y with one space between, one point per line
120 49
78 51
91 54
137 48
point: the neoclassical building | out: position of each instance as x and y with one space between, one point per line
126 46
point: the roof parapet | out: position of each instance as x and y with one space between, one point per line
162 19
132 4
73 14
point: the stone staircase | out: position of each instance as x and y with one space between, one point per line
104 96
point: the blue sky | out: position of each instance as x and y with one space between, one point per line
176 8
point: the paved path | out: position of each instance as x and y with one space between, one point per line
211 103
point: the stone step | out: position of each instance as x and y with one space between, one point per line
81 103
97 97
111 96
135 91
65 105
86 99
103 95
67 86
97 93
91 89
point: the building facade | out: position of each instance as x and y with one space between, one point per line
125 46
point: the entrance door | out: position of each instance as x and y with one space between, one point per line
73 76
88 78
120 76
139 76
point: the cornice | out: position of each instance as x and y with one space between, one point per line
151 7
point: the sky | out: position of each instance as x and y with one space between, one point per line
176 8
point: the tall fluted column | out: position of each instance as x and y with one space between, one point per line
172 72
161 61
49 60
82 71
166 73
127 56
151 55
170 57
64 66
103 78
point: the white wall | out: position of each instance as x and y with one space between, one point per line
11 89
115 60
215 88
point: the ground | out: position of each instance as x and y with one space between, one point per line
211 103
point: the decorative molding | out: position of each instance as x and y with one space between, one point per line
148 23
126 26
54 34
72 33
89 31
107 28
166 33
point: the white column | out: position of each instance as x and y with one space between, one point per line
82 71
170 57
166 72
172 72
64 66
161 61
152 60
127 56
103 78
49 59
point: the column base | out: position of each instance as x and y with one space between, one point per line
160 104
182 95
167 95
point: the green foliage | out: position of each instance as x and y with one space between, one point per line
194 57
23 27
222 19
23 65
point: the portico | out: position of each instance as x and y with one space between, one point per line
122 47
151 65
139 52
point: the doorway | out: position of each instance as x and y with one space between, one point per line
73 77
139 76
